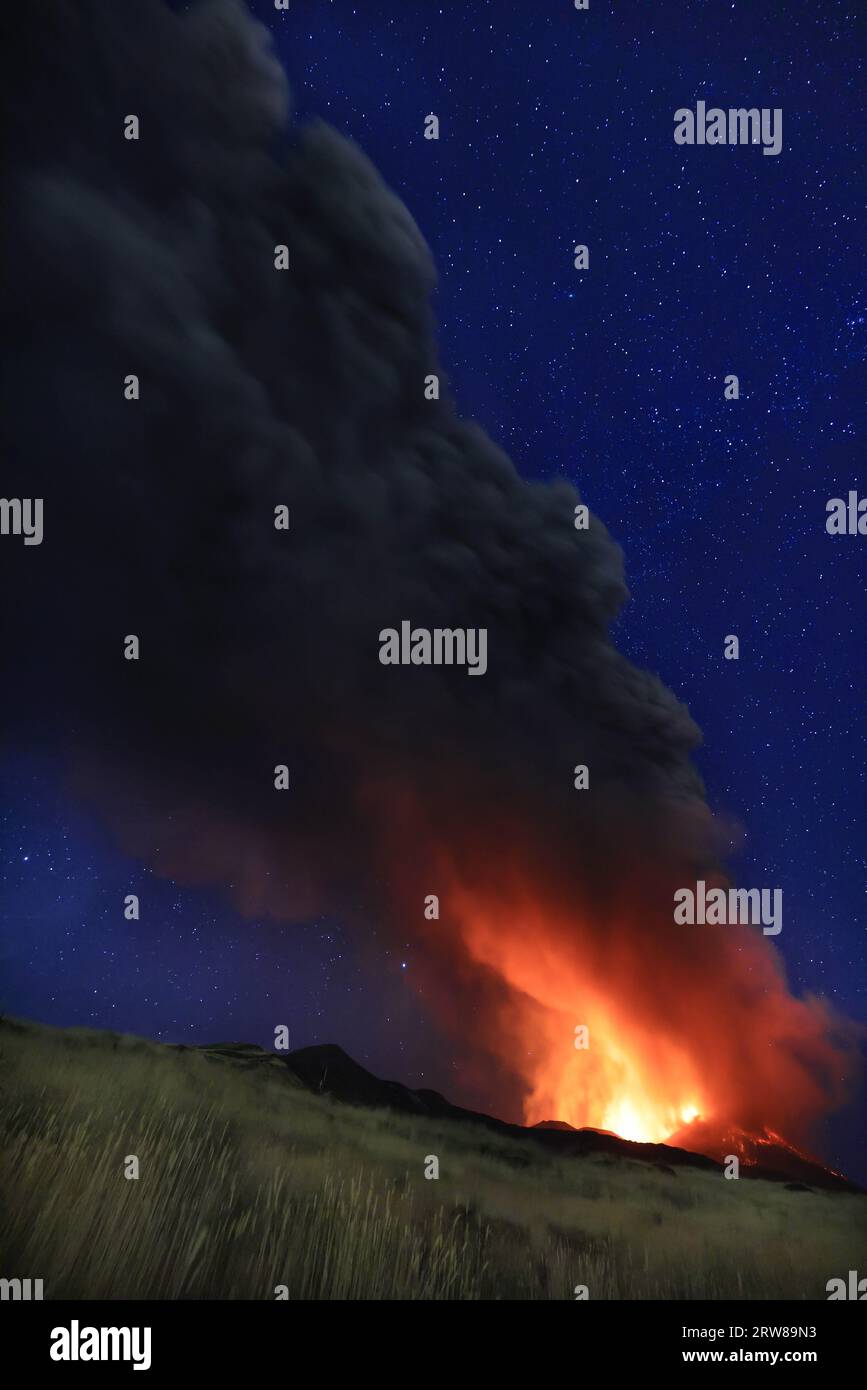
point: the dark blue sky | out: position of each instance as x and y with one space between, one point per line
557 128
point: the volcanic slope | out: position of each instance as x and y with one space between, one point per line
252 1179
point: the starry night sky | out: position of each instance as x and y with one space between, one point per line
556 128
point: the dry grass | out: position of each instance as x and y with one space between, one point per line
248 1182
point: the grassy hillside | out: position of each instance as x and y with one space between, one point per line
247 1181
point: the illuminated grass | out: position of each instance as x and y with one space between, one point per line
249 1182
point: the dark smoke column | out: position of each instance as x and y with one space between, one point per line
270 299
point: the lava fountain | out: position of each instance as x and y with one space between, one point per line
573 978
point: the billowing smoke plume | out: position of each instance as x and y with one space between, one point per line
305 388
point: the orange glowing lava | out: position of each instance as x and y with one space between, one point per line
545 942
589 1057
634 1024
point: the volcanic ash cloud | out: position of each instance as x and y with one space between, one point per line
304 388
